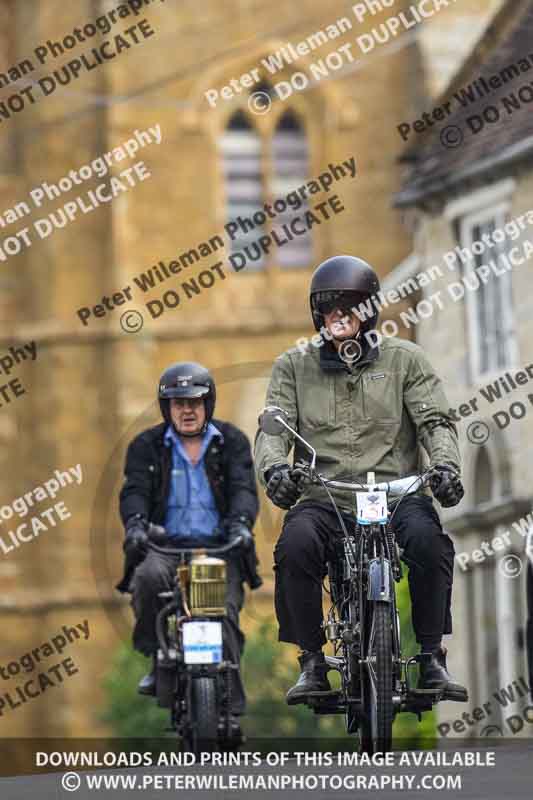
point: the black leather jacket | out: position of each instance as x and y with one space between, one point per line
230 472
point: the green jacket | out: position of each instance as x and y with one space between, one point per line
373 417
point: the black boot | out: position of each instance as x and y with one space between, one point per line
236 734
147 684
233 738
434 676
313 677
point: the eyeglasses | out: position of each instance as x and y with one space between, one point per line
192 402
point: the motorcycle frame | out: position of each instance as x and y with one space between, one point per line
370 579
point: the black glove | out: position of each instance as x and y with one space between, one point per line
136 541
446 486
281 488
157 534
239 528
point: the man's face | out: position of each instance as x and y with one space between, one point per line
187 414
342 324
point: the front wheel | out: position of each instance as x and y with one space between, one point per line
202 736
378 709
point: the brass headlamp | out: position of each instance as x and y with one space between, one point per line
207 586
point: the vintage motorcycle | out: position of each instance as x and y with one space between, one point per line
363 623
192 678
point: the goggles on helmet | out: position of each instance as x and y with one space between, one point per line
326 302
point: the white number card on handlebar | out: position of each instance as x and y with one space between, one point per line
371 507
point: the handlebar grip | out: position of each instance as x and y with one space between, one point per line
180 550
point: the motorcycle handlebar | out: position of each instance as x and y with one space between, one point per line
401 486
407 485
177 551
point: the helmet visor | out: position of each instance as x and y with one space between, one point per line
329 301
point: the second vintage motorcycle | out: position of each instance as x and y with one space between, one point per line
193 680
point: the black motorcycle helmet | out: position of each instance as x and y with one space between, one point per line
187 379
345 282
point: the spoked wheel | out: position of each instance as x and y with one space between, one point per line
202 736
378 709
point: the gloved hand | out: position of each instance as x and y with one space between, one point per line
446 486
136 541
157 534
238 528
281 488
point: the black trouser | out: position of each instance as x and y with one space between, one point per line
304 546
156 574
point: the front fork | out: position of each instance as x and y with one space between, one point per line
381 588
352 635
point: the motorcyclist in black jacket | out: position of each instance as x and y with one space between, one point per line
193 475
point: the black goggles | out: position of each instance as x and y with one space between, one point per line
326 302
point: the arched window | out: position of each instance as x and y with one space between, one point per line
241 155
483 478
290 170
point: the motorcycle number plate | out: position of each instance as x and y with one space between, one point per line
202 642
371 507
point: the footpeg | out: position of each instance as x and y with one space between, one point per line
455 695
326 702
434 694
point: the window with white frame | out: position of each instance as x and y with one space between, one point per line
489 304
242 168
290 170
264 173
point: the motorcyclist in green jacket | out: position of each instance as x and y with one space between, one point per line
364 407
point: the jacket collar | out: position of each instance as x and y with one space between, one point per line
330 360
172 439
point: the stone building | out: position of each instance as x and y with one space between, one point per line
92 386
468 194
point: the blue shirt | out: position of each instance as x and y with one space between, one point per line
191 508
